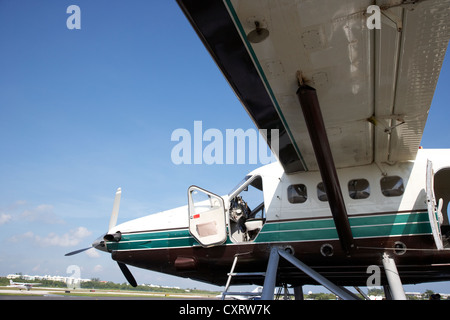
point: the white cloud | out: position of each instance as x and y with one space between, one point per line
68 239
5 218
22 237
41 213
98 268
23 211
93 253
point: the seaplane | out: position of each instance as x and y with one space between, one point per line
351 187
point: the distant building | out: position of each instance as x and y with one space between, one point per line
67 280
417 295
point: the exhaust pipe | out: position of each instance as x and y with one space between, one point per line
113 237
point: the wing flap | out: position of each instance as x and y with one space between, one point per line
425 36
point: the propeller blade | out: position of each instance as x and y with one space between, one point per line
77 251
126 272
115 210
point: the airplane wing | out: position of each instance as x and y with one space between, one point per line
24 284
375 86
33 284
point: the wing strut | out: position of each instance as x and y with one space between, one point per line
318 135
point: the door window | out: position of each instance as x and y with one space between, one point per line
206 217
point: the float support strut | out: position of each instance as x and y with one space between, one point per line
271 276
395 284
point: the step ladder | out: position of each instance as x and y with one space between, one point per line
232 274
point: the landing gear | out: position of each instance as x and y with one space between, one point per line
393 291
271 273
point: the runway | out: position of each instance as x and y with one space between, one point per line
59 297
60 294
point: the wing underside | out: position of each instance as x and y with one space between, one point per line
375 86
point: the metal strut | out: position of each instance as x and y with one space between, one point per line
395 284
271 275
314 121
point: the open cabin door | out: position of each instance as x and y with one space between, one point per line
434 208
207 222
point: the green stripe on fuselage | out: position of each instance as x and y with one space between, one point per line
303 230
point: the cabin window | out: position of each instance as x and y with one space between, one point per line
321 194
392 186
297 193
359 189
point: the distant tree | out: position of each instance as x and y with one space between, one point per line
427 294
321 296
375 292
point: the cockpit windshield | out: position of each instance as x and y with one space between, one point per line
246 209
239 184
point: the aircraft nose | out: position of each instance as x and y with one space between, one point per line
100 244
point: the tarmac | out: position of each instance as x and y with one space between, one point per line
61 294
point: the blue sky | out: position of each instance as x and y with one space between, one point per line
86 111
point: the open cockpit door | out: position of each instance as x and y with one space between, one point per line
207 222
434 208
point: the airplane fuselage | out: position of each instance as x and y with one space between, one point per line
387 210
21 285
